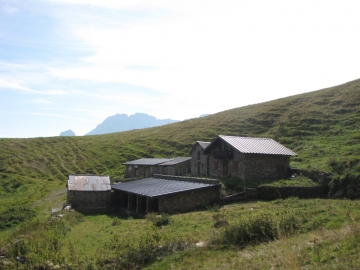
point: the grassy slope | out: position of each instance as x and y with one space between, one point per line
316 125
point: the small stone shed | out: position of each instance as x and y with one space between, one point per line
247 158
168 194
177 166
199 161
88 191
146 167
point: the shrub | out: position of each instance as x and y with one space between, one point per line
256 229
15 215
159 220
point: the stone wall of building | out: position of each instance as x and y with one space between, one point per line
89 199
187 201
182 168
266 166
247 166
139 171
273 193
231 167
198 162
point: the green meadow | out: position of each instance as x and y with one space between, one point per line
322 127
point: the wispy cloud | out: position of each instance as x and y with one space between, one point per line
40 101
49 114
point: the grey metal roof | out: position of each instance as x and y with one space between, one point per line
175 161
251 145
89 182
147 161
155 187
203 144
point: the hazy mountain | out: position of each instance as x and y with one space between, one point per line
123 122
67 133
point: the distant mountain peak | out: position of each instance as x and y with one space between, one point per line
67 133
123 122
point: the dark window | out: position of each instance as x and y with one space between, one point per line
235 165
280 169
215 165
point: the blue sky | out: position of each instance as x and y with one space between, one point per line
69 64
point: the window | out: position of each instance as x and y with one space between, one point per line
215 165
235 165
280 169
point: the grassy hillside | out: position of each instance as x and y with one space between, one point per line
316 125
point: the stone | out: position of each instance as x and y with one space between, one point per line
201 244
21 259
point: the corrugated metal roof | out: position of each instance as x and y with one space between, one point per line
89 182
175 161
251 145
203 144
155 187
147 161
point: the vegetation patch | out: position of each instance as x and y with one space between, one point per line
15 215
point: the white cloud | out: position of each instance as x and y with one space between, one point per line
13 85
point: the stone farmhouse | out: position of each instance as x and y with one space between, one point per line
146 167
247 158
199 161
162 186
88 191
162 193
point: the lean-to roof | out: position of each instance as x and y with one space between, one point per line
155 187
147 161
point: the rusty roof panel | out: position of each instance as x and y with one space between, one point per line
147 161
251 145
89 182
155 187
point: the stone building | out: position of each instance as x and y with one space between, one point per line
165 194
247 158
143 167
146 167
88 191
199 161
177 166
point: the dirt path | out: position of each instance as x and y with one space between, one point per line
54 199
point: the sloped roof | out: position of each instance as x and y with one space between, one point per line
175 161
202 144
81 182
155 187
250 145
147 161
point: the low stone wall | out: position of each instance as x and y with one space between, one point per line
273 193
187 201
89 199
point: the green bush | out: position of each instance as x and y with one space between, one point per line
257 229
15 215
159 220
